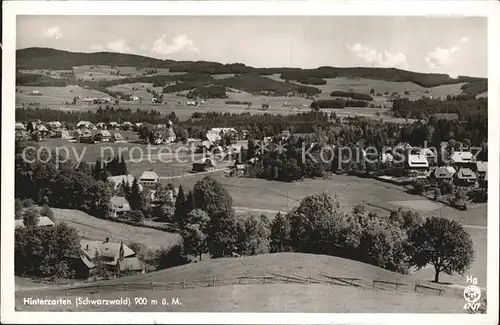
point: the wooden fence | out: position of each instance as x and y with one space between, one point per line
247 280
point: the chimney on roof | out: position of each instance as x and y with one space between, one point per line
107 240
87 247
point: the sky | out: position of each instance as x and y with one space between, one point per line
455 46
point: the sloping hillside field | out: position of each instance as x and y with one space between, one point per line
274 282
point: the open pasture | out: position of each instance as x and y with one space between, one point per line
364 85
283 297
55 96
93 228
57 74
106 72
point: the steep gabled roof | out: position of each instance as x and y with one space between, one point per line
462 157
466 173
417 161
444 172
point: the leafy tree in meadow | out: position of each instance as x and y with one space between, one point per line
383 243
443 243
280 234
319 226
164 212
43 251
253 235
194 240
195 233
210 196
406 219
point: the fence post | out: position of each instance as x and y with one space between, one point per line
396 287
184 283
264 279
416 287
213 282
309 278
373 286
239 280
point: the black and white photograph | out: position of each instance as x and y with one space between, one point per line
249 163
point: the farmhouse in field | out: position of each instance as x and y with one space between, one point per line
42 222
113 126
446 116
119 206
101 125
19 127
117 182
417 165
465 177
481 168
116 257
463 159
54 125
117 137
204 165
430 155
104 135
443 174
149 178
84 124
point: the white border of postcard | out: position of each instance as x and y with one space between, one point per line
488 9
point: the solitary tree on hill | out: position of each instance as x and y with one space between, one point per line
443 243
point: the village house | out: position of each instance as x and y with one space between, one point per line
417 165
443 174
113 126
116 257
119 206
387 157
446 116
213 137
465 177
117 138
149 178
126 126
84 124
463 159
481 168
101 125
430 155
103 136
54 125
42 222
117 182
19 127
203 165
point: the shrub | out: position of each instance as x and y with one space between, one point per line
170 257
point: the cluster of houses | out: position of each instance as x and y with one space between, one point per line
460 168
116 257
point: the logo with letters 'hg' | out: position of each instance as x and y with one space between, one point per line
472 294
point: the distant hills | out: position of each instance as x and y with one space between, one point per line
47 58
